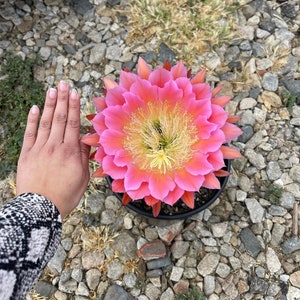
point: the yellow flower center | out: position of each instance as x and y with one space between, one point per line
160 137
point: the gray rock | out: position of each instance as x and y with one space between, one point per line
179 248
114 270
291 245
45 289
57 261
116 292
113 52
276 210
158 263
250 242
273 170
209 285
277 234
272 260
130 280
258 286
97 53
267 25
288 10
208 264
125 245
231 54
165 53
154 273
270 81
247 134
92 277
256 211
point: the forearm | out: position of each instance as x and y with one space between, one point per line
30 230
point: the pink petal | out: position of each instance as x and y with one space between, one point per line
231 131
159 77
111 169
173 196
112 141
204 127
122 158
211 182
99 173
109 84
160 185
99 155
179 70
115 117
134 178
202 91
145 90
127 79
140 193
91 139
230 153
218 116
217 89
233 119
216 159
221 101
99 103
187 181
212 144
118 186
115 96
199 108
198 164
133 102
156 209
170 92
143 69
189 199
99 123
185 85
151 201
199 77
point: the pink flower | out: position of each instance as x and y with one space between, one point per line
160 135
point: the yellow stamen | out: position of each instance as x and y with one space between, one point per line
159 137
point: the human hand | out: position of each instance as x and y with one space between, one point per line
53 161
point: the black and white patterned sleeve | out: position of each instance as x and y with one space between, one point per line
30 231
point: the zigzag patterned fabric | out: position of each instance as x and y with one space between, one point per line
30 231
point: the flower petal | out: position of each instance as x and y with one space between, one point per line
150 200
187 181
198 164
205 128
159 77
126 199
230 153
212 144
99 173
231 131
117 186
134 178
99 103
170 92
122 158
140 193
189 199
111 169
199 77
218 116
156 209
202 91
111 141
179 70
216 159
115 117
221 101
143 69
160 185
99 123
91 139
127 79
115 96
173 196
211 182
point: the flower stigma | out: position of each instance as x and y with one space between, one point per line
160 136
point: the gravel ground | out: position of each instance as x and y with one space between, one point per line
245 246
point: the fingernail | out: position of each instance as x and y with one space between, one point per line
63 85
34 110
52 93
73 93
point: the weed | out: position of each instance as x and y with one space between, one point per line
193 294
193 24
18 92
289 100
273 194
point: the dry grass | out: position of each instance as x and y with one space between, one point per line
97 238
189 27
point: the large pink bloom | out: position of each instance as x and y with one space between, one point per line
160 135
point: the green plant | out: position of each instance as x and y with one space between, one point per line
18 92
192 294
273 194
289 100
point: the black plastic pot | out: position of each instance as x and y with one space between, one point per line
137 205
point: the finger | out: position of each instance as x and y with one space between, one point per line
31 128
47 116
85 154
60 114
73 122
